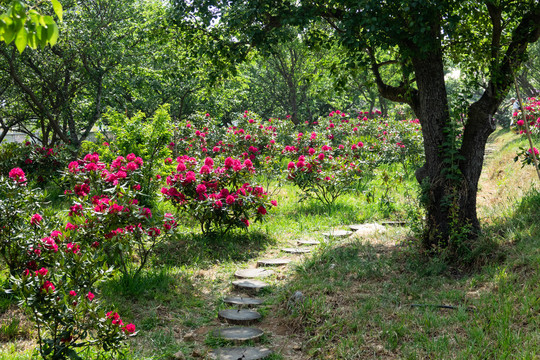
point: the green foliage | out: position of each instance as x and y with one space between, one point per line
22 23
148 138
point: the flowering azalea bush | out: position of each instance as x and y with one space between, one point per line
325 175
107 214
197 135
41 164
341 151
526 156
58 287
260 141
217 193
19 217
54 274
532 111
532 115
149 138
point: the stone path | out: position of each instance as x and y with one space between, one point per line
249 283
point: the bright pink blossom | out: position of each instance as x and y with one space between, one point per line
47 287
36 219
17 174
70 226
50 244
129 328
42 271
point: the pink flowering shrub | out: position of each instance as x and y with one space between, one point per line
526 156
325 175
217 193
54 274
41 164
58 286
258 140
341 150
532 111
19 217
395 140
196 136
106 213
147 137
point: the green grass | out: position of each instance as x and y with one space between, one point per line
358 294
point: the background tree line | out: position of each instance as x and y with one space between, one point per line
130 56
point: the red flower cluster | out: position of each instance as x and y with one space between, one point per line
18 175
35 219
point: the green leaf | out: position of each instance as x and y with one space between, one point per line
53 34
57 8
21 40
42 36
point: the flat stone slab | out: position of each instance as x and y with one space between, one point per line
308 242
239 316
238 333
253 273
273 262
243 353
367 229
250 284
242 301
393 222
296 250
338 233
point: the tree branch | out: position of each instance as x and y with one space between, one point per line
401 94
32 96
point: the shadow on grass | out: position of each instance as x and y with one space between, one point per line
155 286
203 251
159 301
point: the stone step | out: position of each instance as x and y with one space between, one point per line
253 273
240 353
273 262
367 229
250 284
239 316
296 250
237 333
393 222
248 301
337 234
308 242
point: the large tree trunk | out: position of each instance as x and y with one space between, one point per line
448 195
